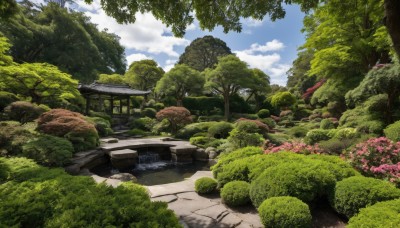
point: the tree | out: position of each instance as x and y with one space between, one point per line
112 79
230 75
283 99
260 85
179 82
380 80
66 39
38 82
8 8
203 53
144 74
176 116
5 59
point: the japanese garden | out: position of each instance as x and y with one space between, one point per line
92 137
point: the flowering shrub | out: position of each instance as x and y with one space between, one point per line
377 157
296 147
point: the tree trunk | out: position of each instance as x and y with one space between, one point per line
392 22
226 105
179 102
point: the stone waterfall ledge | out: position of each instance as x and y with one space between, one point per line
86 160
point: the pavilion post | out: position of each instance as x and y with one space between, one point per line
120 105
100 103
112 104
129 104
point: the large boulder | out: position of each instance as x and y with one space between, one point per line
123 159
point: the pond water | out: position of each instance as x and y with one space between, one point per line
155 173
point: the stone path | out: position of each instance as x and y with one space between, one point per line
197 211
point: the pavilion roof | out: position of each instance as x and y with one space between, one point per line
110 89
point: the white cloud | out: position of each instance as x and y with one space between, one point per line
271 64
251 22
147 34
274 45
136 57
169 64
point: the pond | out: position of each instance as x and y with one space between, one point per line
155 173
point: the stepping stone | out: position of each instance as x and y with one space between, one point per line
109 140
184 207
126 153
198 221
113 182
216 212
190 196
230 220
167 198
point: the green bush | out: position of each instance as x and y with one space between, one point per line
35 196
211 118
392 131
205 185
102 115
278 138
263 113
285 212
13 136
149 112
191 130
226 158
245 134
345 133
336 146
327 124
383 214
199 141
316 135
136 132
6 98
236 193
49 150
102 126
297 131
269 122
220 130
307 182
144 123
23 111
354 193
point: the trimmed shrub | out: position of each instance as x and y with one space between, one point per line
377 157
149 112
205 185
354 193
220 130
102 126
49 150
383 214
136 132
23 111
102 115
144 123
316 135
392 131
278 138
36 196
269 122
307 182
263 113
297 131
199 141
70 125
236 193
245 134
335 146
262 128
6 98
191 130
176 116
295 147
345 133
285 212
327 124
12 137
226 158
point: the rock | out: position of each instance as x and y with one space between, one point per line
208 149
124 177
212 154
123 159
200 155
212 162
183 153
109 140
121 154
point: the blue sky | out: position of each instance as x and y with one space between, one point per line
269 46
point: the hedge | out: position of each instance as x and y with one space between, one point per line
236 193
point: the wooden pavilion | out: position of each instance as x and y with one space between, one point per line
96 93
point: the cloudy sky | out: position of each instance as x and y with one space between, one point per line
269 46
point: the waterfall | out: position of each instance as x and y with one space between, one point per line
150 161
148 157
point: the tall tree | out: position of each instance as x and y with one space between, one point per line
203 53
230 75
144 74
65 39
259 87
5 59
179 82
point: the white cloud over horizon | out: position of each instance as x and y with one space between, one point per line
136 57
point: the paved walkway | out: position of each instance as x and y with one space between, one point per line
197 211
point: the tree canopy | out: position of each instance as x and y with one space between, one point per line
180 81
230 75
144 74
203 53
66 39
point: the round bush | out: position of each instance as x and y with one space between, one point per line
392 131
205 185
304 181
102 125
263 113
220 130
354 193
327 124
23 111
149 112
70 125
136 132
316 135
383 214
285 212
236 193
297 131
6 98
199 141
49 150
